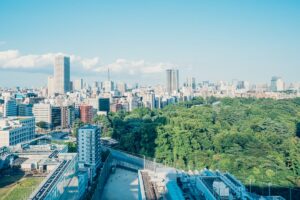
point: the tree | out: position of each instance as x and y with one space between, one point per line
42 124
77 124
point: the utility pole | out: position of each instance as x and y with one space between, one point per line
269 184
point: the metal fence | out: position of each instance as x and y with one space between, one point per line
103 176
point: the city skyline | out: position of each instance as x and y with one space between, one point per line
221 41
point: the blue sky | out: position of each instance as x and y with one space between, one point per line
210 40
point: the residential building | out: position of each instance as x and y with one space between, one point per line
89 152
51 85
86 113
67 116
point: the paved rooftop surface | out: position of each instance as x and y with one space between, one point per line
121 185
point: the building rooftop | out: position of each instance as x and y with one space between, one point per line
11 122
175 184
89 126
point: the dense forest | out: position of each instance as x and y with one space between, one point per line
257 140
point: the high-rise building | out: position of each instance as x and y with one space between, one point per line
190 83
277 84
149 99
51 90
121 87
78 84
86 113
172 81
10 108
89 152
67 116
55 116
16 130
62 74
107 86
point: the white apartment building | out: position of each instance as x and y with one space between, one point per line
89 152
15 130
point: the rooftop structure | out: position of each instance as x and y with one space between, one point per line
168 183
57 181
15 130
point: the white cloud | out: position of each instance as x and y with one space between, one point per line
134 67
13 59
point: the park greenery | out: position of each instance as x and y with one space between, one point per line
257 140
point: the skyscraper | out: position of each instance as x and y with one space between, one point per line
50 86
78 84
191 83
277 84
172 81
62 74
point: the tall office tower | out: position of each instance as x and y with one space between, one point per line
191 83
89 152
121 87
277 84
50 86
10 108
149 99
86 113
107 86
16 130
62 74
243 85
172 81
78 84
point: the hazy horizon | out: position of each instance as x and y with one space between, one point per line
138 40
